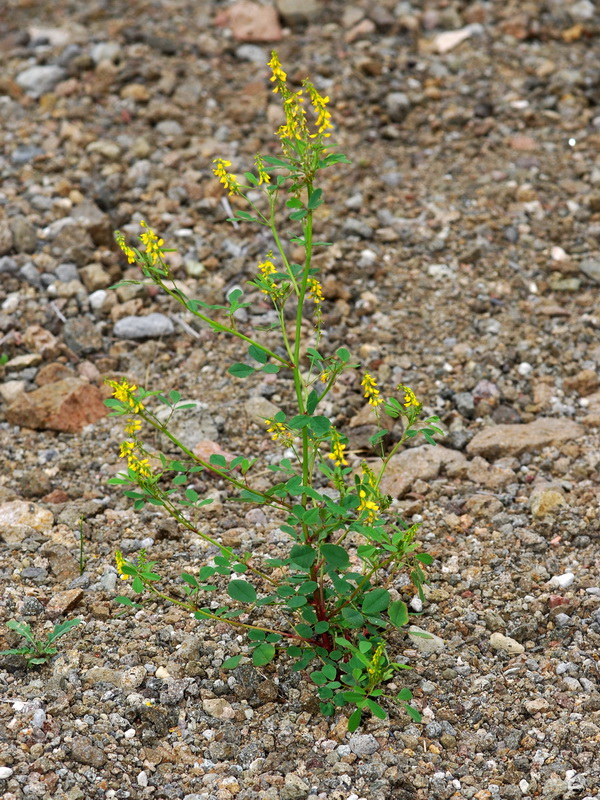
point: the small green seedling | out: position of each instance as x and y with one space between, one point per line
37 651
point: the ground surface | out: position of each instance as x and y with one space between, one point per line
466 264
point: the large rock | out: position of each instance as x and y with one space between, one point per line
18 516
96 222
514 440
424 463
68 405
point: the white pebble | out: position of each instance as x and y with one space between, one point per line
142 779
524 786
129 734
162 672
5 773
524 368
416 603
563 581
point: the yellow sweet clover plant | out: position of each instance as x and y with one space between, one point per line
332 593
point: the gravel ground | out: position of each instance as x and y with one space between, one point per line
466 264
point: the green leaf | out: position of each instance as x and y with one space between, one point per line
22 628
242 591
318 677
354 721
257 353
304 630
322 626
376 709
413 713
311 403
191 495
375 601
126 601
335 555
343 354
264 653
398 613
319 425
404 695
244 215
62 628
329 671
294 202
240 370
270 369
257 636
137 585
296 601
231 663
377 437
315 199
352 617
175 396
302 556
296 215
424 558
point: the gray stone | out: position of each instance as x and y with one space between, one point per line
358 227
24 234
29 273
465 404
591 268
294 12
25 153
66 273
424 463
6 238
398 105
105 51
294 788
424 641
81 336
84 752
39 80
497 441
363 744
191 425
150 327
8 265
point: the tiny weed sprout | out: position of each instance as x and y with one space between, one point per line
331 602
37 651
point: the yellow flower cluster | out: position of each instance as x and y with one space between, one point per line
279 77
135 464
125 393
410 399
338 449
228 180
374 667
133 426
295 125
371 391
366 502
153 243
120 561
319 104
266 269
278 431
315 291
263 175
120 240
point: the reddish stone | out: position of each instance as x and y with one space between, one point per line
62 602
251 22
57 496
68 405
52 373
557 600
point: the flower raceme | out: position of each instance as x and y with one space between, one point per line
125 394
410 399
369 384
338 449
153 243
228 180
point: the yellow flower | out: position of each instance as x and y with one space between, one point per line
371 391
315 291
127 449
374 667
133 425
319 105
266 269
338 448
263 175
124 392
228 180
279 77
153 243
120 561
325 376
410 399
120 240
139 465
368 505
278 430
